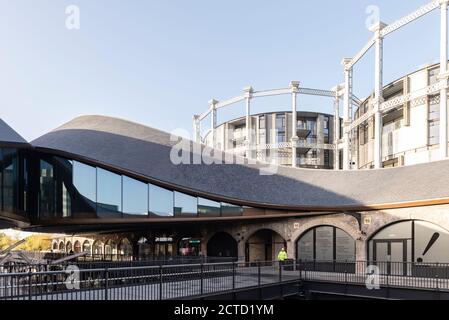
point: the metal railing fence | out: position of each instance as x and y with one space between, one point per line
201 279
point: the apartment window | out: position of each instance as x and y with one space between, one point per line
280 121
262 122
433 75
281 137
365 133
434 121
311 125
326 126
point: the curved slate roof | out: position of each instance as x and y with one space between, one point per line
9 136
145 152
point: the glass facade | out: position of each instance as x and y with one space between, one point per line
161 201
208 208
185 205
9 177
229 210
135 199
47 191
109 194
49 187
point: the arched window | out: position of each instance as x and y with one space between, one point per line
55 246
411 247
329 248
86 246
77 247
125 248
61 246
68 247
110 249
145 251
410 241
97 248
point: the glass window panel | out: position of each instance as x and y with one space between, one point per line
135 197
281 137
208 207
262 122
344 246
47 191
84 190
185 204
431 243
66 202
85 180
109 193
228 209
25 184
305 246
401 230
10 176
161 201
324 246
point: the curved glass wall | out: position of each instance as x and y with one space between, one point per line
109 194
185 205
160 201
10 172
208 208
135 197
230 210
84 189
49 187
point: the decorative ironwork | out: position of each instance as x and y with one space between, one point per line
410 18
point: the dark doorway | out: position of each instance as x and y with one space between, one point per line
222 244
264 245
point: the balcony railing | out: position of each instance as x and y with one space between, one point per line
196 280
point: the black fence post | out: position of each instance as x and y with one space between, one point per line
233 275
160 282
280 271
202 276
436 277
106 283
258 274
29 284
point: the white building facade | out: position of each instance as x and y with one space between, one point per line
272 133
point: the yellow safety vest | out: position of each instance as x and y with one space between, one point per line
282 256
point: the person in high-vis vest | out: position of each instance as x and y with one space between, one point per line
282 256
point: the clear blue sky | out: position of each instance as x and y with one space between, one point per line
159 62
